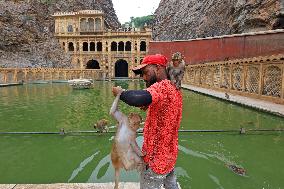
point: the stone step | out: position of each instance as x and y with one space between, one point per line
122 185
110 185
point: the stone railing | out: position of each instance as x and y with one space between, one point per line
14 75
259 77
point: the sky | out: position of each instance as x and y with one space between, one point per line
126 8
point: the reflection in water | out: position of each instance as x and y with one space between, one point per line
216 180
82 165
208 156
105 166
123 84
180 172
201 161
191 152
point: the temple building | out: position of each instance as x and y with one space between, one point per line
85 35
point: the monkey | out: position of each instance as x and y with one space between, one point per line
101 125
176 69
238 170
227 96
125 152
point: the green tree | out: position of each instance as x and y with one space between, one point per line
139 22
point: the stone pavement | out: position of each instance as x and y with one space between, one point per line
262 105
122 185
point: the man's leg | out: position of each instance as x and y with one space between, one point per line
170 181
150 180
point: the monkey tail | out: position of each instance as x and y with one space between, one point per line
116 178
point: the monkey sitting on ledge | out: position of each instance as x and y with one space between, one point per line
101 126
125 151
176 69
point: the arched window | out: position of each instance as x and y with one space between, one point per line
121 68
99 46
92 46
121 46
113 46
90 24
93 64
83 24
70 28
128 46
98 23
85 46
63 44
70 46
143 46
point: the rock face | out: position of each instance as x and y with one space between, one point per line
187 19
27 29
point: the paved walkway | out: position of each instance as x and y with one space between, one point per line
128 185
122 185
270 107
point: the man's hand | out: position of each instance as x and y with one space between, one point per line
144 108
117 90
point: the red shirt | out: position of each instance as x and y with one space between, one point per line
161 127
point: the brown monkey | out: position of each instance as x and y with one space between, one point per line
101 125
176 69
238 170
125 151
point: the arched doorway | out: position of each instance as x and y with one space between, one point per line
121 68
93 64
143 46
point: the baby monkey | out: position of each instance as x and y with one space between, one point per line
125 151
176 69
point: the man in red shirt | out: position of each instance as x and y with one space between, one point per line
164 111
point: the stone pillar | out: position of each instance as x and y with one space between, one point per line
15 76
65 26
79 24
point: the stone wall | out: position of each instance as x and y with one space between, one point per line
223 48
187 19
27 31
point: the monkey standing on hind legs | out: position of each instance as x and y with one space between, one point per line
176 69
125 151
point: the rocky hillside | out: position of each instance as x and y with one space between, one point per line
27 28
186 19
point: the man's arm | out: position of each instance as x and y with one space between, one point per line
138 98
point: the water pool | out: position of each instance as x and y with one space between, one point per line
85 157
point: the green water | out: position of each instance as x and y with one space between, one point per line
85 158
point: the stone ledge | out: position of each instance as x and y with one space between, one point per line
122 185
276 109
110 185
